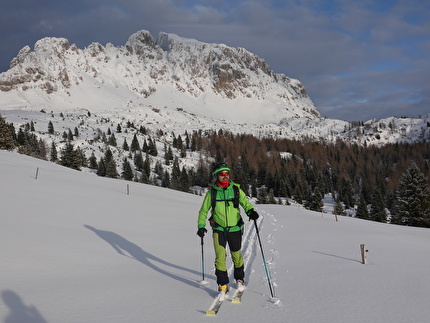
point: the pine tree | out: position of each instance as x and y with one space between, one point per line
125 145
262 197
152 148
362 212
202 175
70 135
413 202
69 157
166 179
93 161
127 172
254 188
338 208
184 181
80 159
138 161
101 168
183 152
147 167
346 193
50 128
112 140
168 155
145 146
134 144
377 210
176 173
158 169
179 143
21 137
42 150
111 171
54 156
7 132
271 197
108 156
315 201
300 192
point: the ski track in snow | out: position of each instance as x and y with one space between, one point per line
251 253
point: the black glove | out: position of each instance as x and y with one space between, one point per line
253 215
201 232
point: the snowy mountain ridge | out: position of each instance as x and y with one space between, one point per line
176 83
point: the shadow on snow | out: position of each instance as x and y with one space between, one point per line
130 249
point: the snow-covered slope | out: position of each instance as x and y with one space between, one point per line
77 248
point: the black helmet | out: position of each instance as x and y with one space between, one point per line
219 168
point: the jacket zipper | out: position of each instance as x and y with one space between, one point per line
225 207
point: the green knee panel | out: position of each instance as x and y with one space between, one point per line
236 256
220 254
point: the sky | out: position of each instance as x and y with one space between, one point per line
358 60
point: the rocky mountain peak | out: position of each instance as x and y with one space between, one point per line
143 65
140 43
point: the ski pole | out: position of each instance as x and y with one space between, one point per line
264 260
203 261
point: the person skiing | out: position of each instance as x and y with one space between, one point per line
224 198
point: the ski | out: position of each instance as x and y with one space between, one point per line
237 297
216 305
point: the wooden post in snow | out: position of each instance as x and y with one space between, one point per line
128 190
363 254
37 172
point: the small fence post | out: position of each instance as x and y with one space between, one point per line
37 172
363 254
128 190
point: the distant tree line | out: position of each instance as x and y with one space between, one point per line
384 184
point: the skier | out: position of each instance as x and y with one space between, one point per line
224 198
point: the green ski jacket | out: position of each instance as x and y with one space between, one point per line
225 216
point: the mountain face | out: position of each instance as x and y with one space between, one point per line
175 83
146 68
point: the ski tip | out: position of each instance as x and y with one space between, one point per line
235 300
210 313
276 301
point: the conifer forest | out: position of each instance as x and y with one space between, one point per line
388 184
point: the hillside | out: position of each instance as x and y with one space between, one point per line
77 248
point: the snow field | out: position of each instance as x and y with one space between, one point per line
77 248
